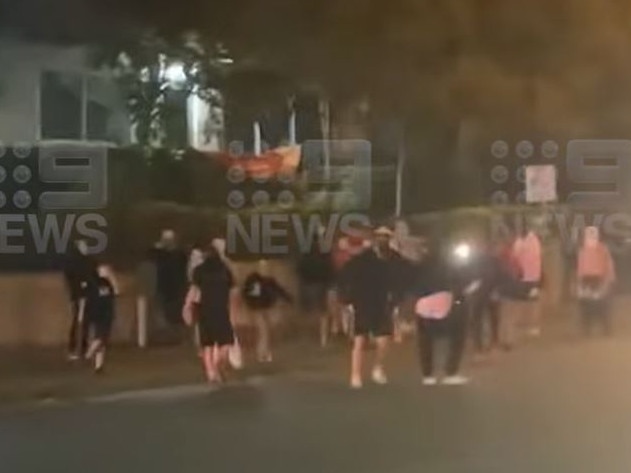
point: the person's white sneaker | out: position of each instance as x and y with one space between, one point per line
379 376
356 383
455 380
430 381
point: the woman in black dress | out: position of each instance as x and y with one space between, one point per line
209 300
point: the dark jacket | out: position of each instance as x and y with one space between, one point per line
316 267
260 292
171 266
78 270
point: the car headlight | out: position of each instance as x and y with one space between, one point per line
462 252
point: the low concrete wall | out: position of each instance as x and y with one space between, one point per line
34 309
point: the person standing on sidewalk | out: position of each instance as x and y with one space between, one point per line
208 300
528 253
370 291
79 267
171 264
595 276
261 293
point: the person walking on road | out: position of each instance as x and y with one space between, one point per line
98 306
595 276
261 293
441 306
208 301
485 304
79 268
315 270
370 290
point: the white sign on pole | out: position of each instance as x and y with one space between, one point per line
541 183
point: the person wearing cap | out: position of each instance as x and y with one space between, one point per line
370 290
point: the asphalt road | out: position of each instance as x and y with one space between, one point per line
554 407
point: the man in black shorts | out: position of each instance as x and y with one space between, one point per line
368 281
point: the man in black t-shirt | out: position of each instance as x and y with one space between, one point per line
371 290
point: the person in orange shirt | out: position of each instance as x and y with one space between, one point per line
595 275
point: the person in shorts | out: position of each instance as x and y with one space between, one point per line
369 285
98 310
208 304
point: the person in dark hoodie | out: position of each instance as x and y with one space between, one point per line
171 264
261 293
441 293
485 305
316 273
79 267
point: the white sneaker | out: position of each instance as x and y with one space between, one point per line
356 383
379 376
430 381
455 380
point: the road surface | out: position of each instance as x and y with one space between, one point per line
562 406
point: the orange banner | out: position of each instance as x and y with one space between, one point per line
280 161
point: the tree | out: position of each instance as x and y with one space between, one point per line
151 68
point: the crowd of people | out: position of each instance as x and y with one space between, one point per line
363 290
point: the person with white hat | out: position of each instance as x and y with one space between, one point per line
369 288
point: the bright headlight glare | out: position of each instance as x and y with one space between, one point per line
462 251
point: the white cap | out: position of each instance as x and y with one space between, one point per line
384 231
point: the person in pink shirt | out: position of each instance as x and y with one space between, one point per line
528 255
595 276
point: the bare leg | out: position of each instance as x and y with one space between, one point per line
263 350
397 322
509 313
99 360
222 360
378 373
357 359
208 359
324 330
382 351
